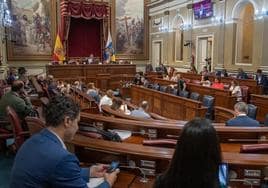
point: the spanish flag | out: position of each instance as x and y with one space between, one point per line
58 54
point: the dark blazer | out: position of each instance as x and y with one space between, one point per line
242 121
43 162
263 80
242 75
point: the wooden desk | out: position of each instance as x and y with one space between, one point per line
261 101
223 98
161 129
104 76
87 148
167 105
131 180
252 84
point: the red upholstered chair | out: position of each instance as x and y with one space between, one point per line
34 124
18 134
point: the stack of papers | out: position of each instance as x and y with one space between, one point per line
94 182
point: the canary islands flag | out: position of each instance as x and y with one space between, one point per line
58 54
109 46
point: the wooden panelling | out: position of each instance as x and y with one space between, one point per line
167 105
104 76
261 101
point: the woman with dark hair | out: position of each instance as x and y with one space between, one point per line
196 160
217 83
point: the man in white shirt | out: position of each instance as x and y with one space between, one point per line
106 99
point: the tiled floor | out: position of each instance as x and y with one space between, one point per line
5 168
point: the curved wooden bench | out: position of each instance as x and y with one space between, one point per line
107 110
223 114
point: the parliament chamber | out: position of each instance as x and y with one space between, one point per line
141 72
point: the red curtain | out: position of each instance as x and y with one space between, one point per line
84 37
87 10
82 40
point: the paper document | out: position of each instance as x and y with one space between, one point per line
94 182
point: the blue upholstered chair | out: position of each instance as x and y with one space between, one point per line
266 120
184 94
163 88
156 87
194 96
252 111
208 101
175 91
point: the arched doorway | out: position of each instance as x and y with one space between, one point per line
243 14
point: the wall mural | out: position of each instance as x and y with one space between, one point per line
32 32
131 29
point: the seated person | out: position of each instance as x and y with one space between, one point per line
11 76
222 73
44 161
17 99
241 74
22 73
205 81
162 68
120 107
107 99
181 85
236 90
204 72
90 60
241 119
195 162
174 77
137 79
171 72
217 83
51 86
93 92
78 85
141 112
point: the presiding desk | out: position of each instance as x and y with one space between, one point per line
105 76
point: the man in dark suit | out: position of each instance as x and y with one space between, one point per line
241 74
44 161
241 119
262 80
